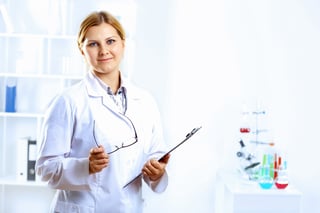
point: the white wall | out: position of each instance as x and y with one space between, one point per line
203 59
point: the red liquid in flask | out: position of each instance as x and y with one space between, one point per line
281 185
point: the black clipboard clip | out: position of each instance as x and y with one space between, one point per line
188 136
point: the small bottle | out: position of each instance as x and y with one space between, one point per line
11 90
282 179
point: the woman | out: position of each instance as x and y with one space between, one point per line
101 133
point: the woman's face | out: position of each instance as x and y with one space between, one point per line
103 49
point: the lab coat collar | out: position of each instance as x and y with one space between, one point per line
94 89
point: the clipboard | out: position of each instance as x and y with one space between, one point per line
188 136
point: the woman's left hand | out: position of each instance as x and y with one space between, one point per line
155 169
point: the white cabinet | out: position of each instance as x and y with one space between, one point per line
39 57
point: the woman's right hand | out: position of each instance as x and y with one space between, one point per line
98 159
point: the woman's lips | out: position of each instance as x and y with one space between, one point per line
104 59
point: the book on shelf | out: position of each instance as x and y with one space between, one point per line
26 159
32 157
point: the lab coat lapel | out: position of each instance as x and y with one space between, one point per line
108 103
96 91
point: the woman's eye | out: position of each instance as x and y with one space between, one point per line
110 41
93 44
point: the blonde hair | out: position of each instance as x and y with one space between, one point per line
95 19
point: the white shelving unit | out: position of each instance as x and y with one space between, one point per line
41 58
40 66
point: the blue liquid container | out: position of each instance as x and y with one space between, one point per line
11 92
266 184
265 180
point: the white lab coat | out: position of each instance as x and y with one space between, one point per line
67 138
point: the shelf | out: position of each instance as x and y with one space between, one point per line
27 35
12 181
37 75
20 115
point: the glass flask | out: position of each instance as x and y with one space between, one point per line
282 179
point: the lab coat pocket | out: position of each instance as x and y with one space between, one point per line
65 207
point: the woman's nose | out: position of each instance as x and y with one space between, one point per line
104 50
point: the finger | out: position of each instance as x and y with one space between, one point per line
146 171
97 168
97 150
101 161
165 159
98 153
98 165
153 167
102 155
153 174
99 158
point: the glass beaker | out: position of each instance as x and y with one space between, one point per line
265 180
